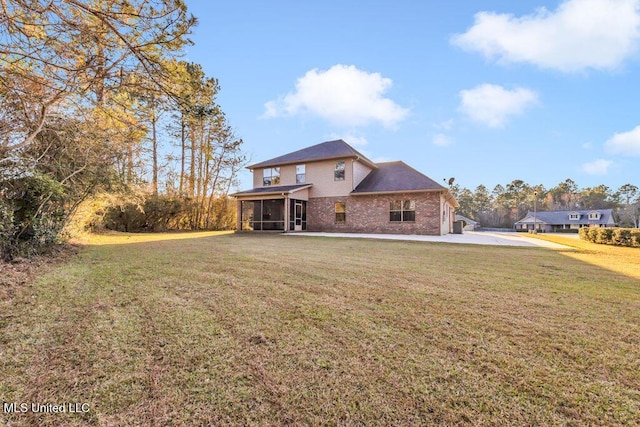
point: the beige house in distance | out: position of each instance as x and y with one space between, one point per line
331 187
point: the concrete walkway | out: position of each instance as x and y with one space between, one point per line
469 237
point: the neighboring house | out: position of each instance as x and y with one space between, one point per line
566 220
332 187
468 223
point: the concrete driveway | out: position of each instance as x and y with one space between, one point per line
469 237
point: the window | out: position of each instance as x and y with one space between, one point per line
574 216
402 211
271 176
341 212
338 173
594 215
300 174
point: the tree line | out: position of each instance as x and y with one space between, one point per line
96 103
505 205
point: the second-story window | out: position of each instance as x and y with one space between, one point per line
338 173
301 174
271 176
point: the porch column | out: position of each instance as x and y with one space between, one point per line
238 215
286 213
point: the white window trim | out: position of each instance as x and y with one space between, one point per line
272 173
302 168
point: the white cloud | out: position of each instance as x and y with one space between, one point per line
492 105
343 95
445 125
579 34
442 140
351 139
625 143
597 167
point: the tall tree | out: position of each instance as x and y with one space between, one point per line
629 211
564 195
74 51
67 119
518 195
599 197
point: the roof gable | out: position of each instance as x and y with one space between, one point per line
396 177
325 150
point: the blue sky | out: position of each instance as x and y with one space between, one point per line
483 91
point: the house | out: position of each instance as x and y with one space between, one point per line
468 223
331 187
552 221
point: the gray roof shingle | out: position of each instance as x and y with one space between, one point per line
562 217
396 176
325 150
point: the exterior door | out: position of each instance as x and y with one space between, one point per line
298 216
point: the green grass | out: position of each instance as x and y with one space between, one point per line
224 329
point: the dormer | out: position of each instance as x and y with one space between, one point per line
574 216
594 215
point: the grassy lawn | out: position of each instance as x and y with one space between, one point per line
224 329
620 259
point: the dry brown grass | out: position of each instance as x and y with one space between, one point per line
619 259
273 330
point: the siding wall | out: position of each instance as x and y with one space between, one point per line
360 172
321 175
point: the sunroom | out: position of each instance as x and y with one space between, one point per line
276 208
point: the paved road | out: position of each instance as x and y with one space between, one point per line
469 237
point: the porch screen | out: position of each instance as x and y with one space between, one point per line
262 214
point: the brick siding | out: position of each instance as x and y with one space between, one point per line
370 214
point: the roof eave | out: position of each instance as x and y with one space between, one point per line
262 165
370 193
270 193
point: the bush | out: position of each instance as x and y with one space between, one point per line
622 237
604 235
32 215
583 233
6 226
611 236
158 213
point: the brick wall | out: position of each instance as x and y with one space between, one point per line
370 214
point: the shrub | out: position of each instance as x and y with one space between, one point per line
604 235
583 233
622 237
6 226
160 213
611 236
32 214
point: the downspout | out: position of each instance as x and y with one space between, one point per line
353 173
441 202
